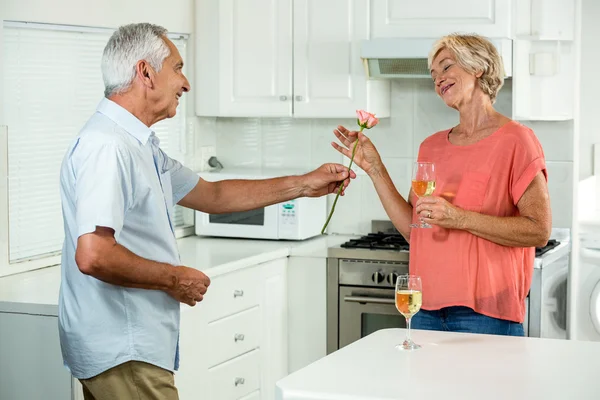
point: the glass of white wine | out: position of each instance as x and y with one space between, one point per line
423 183
408 302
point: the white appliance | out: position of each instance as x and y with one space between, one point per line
390 58
588 288
297 219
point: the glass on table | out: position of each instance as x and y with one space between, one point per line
409 298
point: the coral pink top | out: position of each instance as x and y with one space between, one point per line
458 268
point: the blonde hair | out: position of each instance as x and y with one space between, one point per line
474 54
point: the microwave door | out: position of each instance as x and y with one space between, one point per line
260 223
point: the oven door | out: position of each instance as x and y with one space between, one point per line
364 311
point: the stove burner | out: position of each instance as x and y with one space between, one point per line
395 241
378 241
552 243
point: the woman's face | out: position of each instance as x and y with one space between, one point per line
452 83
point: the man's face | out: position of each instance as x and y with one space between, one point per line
170 83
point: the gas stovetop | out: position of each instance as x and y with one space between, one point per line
378 241
552 243
391 246
378 246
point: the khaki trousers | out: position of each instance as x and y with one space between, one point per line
133 380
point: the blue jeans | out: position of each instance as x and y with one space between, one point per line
463 319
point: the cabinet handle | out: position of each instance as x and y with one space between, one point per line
298 98
238 293
239 381
283 98
238 336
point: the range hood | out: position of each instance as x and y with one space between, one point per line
395 58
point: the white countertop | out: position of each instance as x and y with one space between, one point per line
450 366
36 292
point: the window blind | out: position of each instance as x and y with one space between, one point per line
52 85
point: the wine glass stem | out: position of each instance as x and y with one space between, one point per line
408 329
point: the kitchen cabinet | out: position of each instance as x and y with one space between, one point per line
31 365
285 58
544 19
436 18
234 343
307 305
544 60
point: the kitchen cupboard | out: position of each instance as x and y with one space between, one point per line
31 365
307 307
435 18
294 58
544 60
234 343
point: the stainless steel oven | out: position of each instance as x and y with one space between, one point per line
360 295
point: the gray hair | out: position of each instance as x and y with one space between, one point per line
128 45
474 53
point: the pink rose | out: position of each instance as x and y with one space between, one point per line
366 119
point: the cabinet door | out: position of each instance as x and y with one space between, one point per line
435 18
77 389
31 365
244 60
192 378
274 343
543 80
307 314
329 78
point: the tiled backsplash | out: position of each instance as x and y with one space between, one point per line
417 112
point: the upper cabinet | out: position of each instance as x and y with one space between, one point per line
544 60
436 18
544 20
273 58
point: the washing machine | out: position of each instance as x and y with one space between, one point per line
587 323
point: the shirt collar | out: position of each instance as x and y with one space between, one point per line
125 120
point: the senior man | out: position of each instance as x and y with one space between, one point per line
122 282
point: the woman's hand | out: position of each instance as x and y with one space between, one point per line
366 155
438 211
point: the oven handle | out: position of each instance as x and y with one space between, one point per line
363 299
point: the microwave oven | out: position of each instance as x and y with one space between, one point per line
297 219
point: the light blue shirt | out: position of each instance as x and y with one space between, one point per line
115 175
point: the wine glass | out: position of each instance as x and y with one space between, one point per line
423 183
408 302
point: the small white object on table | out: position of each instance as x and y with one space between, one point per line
450 366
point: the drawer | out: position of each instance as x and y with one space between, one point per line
251 396
231 293
231 336
235 378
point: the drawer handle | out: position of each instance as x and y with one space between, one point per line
239 381
238 293
238 336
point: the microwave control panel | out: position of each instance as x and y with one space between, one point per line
288 212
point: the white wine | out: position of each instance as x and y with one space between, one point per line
423 188
408 302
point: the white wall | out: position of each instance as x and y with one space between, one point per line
416 114
590 84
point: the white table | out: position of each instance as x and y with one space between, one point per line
450 366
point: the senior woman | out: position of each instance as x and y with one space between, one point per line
490 207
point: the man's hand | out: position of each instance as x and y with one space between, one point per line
190 285
326 180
